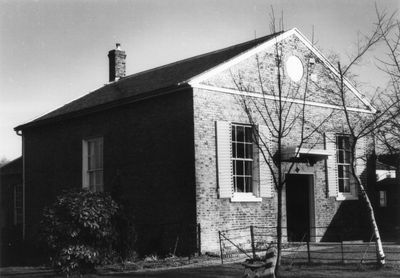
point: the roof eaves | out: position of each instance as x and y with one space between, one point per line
102 107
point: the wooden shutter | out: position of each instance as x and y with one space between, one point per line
266 182
85 180
331 165
224 162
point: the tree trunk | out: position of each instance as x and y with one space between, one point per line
279 232
397 192
380 255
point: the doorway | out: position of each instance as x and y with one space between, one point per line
299 206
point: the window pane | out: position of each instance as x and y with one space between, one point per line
346 157
341 185
248 134
233 133
248 168
248 184
346 171
90 163
91 180
240 150
240 133
239 167
346 185
382 199
340 156
91 147
100 154
340 171
249 151
240 184
339 141
346 142
97 157
233 149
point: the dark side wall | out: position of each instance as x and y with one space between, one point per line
148 157
10 230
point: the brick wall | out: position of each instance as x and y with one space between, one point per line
210 105
216 214
148 154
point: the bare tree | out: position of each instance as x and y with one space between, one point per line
281 108
360 127
388 136
291 123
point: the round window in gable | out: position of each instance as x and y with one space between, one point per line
294 68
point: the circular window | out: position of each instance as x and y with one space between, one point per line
294 68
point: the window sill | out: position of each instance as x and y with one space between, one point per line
245 197
346 197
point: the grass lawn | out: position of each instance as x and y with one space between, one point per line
335 253
326 263
339 271
236 270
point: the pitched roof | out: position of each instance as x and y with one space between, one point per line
167 76
12 167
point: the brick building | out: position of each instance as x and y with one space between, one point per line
386 195
172 139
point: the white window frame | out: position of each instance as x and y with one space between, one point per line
343 164
251 195
343 195
86 171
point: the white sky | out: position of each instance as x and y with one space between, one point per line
52 52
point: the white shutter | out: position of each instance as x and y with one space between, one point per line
266 182
224 162
331 165
361 162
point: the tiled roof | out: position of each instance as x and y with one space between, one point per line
166 76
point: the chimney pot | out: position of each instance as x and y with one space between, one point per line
117 66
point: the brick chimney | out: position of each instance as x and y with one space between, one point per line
116 58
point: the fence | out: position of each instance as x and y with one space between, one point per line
168 238
309 247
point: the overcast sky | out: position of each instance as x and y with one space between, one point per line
52 52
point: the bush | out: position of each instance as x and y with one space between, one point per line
79 229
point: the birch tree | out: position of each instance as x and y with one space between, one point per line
357 125
284 117
388 136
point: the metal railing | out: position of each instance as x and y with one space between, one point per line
341 245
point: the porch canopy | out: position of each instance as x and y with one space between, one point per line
305 155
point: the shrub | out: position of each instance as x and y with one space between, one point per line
79 229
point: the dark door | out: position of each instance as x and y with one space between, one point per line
298 207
